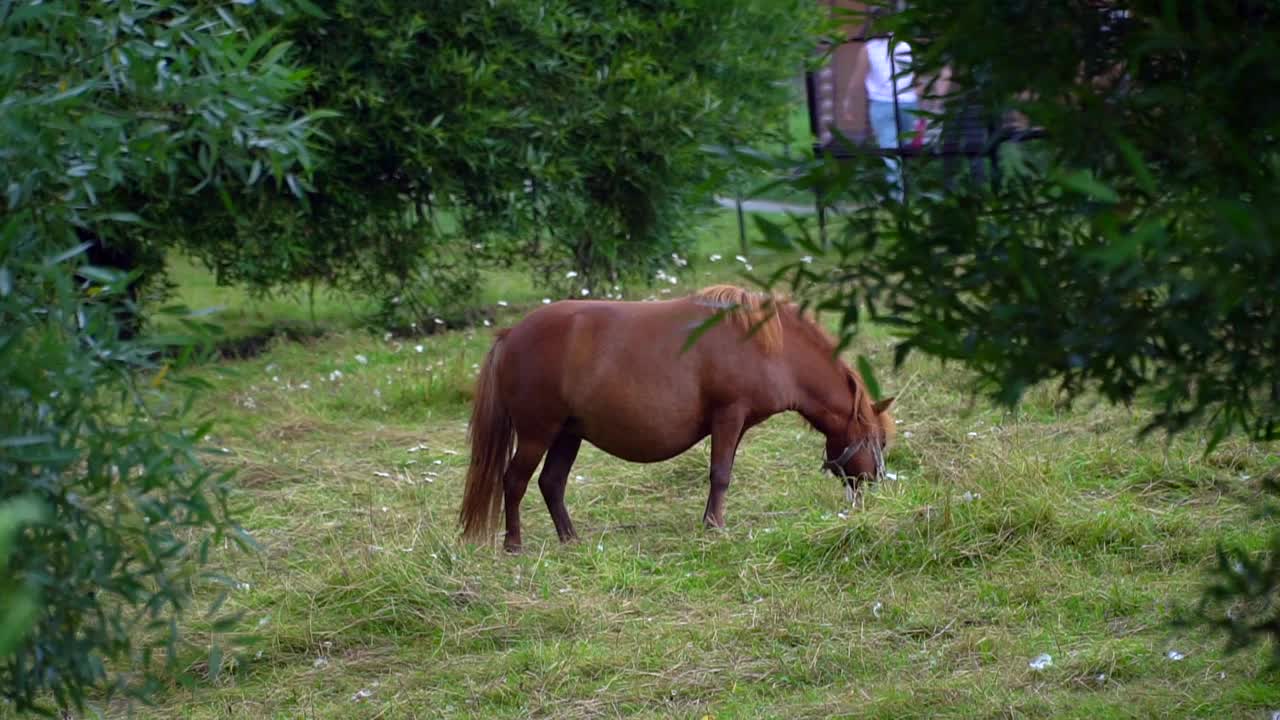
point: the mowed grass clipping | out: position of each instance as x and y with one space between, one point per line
1002 538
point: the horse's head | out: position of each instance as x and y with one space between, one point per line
858 457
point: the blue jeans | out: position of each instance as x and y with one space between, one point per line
882 124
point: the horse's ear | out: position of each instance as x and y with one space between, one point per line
881 405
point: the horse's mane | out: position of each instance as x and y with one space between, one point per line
754 313
762 315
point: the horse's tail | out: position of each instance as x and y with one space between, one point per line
491 435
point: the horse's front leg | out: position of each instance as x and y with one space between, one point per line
726 430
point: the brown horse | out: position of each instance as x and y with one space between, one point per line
614 374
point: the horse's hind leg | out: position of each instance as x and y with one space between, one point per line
516 480
554 478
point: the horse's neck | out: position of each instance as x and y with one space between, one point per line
826 416
821 389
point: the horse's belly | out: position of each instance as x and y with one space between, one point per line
640 431
640 444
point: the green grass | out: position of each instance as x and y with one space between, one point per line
1004 536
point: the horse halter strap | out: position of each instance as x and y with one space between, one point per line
836 465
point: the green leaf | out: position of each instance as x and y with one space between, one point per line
122 217
772 235
869 377
67 254
311 9
215 662
276 52
1141 172
1086 184
704 326
103 276
15 514
18 612
26 440
245 540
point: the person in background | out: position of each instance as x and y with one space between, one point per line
886 77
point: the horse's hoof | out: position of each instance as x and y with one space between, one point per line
711 524
512 548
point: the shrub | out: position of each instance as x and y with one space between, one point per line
118 120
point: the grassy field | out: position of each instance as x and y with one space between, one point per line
1002 538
